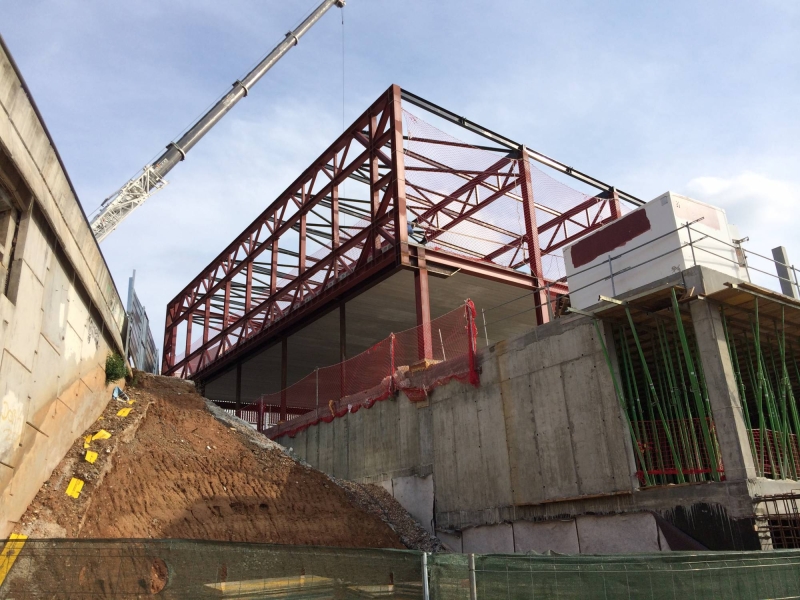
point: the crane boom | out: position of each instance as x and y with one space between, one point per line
119 205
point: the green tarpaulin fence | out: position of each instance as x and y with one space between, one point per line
184 569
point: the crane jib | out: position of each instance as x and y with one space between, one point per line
130 196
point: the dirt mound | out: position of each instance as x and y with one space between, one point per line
172 470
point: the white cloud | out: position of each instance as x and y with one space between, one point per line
764 209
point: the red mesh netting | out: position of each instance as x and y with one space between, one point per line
413 361
655 449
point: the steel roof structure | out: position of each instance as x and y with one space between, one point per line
416 199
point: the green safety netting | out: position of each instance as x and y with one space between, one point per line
674 575
185 569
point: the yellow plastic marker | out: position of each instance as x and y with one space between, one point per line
74 488
91 456
131 401
87 441
9 554
124 412
101 435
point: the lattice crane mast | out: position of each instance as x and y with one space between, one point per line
130 196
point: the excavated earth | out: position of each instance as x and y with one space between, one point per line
175 467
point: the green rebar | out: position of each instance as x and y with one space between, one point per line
628 359
737 373
711 448
681 419
622 402
654 399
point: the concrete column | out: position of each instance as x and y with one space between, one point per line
726 405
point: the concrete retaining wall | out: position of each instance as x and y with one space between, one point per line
544 427
59 316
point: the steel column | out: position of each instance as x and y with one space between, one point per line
532 238
238 410
423 305
284 375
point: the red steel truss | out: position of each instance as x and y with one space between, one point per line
413 207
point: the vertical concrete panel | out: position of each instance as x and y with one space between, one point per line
588 429
312 446
408 433
415 494
359 432
326 448
557 536
445 459
618 534
496 475
424 452
489 539
14 390
451 541
523 454
340 448
22 335
557 463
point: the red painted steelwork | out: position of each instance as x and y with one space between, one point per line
314 245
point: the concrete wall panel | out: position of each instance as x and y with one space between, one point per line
557 536
52 353
555 454
489 539
415 494
618 534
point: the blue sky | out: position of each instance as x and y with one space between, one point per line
700 98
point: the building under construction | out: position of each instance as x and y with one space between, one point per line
539 367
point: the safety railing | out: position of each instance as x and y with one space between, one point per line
413 361
782 273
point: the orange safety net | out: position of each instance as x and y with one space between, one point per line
414 361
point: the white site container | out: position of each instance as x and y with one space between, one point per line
648 244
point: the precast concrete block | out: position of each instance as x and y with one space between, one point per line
35 246
451 541
46 377
556 536
415 494
14 388
22 335
55 306
618 534
488 539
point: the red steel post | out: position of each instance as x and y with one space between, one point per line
399 178
532 239
423 302
284 375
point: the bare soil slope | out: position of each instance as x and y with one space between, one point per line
172 470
